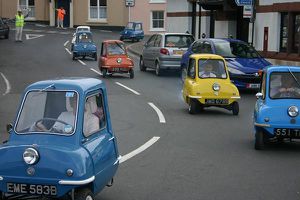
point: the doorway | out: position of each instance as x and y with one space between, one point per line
66 5
242 28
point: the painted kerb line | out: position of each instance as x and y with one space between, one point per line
65 44
139 150
68 51
96 71
83 63
159 113
131 90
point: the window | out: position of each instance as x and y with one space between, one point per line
150 42
157 20
179 41
284 32
212 68
94 115
191 69
206 48
29 6
297 33
158 41
197 47
98 9
157 1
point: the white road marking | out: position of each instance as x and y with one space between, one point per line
106 31
51 31
124 86
7 85
96 71
64 33
83 63
159 113
68 51
32 36
65 44
139 150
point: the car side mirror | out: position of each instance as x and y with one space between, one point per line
259 95
9 128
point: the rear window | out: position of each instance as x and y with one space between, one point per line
178 41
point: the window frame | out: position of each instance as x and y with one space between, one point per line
98 19
151 21
31 14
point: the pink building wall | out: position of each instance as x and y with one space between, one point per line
142 12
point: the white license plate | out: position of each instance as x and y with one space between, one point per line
22 188
253 85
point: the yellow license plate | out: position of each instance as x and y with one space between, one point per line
178 52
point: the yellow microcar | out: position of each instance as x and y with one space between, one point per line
207 83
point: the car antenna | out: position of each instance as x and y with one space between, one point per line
294 77
49 86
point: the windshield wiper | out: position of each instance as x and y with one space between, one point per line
46 88
294 77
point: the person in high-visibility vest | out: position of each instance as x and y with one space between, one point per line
19 25
60 17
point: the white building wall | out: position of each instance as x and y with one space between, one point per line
271 20
223 29
270 2
179 24
178 6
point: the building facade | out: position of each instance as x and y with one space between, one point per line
152 13
276 32
106 13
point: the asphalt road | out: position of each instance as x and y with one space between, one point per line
204 156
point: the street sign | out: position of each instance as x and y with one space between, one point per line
247 11
129 3
243 2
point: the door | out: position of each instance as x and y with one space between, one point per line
242 25
190 79
66 5
147 51
98 140
266 38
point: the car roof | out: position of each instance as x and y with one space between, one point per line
79 84
221 40
206 56
175 34
112 41
282 68
83 27
81 32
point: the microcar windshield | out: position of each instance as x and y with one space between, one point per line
84 37
284 85
116 48
53 112
211 69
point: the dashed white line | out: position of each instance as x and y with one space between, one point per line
131 90
159 113
83 63
7 84
68 51
96 71
106 31
139 150
66 43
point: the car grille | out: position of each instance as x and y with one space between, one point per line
246 78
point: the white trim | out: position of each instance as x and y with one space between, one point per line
151 21
157 29
157 1
98 19
160 115
82 182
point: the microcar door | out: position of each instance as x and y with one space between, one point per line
97 139
191 76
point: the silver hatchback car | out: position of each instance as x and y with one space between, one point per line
163 51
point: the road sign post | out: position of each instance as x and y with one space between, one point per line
129 3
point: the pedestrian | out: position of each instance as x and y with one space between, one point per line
60 17
19 23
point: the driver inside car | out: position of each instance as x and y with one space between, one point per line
207 71
288 88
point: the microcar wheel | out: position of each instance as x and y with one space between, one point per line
259 140
157 69
104 72
6 36
142 65
84 194
74 56
193 106
121 38
95 57
235 108
131 74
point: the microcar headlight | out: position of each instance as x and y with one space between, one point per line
293 111
31 156
216 87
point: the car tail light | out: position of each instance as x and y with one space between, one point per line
164 51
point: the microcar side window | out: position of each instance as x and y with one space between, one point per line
191 69
94 115
138 27
284 85
49 112
212 68
263 85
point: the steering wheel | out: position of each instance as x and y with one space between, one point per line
49 119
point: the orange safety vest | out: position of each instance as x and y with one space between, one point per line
61 13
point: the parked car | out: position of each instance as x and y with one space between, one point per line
78 29
4 28
276 112
62 143
114 59
84 46
243 60
208 84
163 51
133 31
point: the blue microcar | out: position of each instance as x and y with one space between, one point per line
84 46
276 113
133 31
243 60
61 144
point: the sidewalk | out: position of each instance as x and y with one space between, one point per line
137 48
